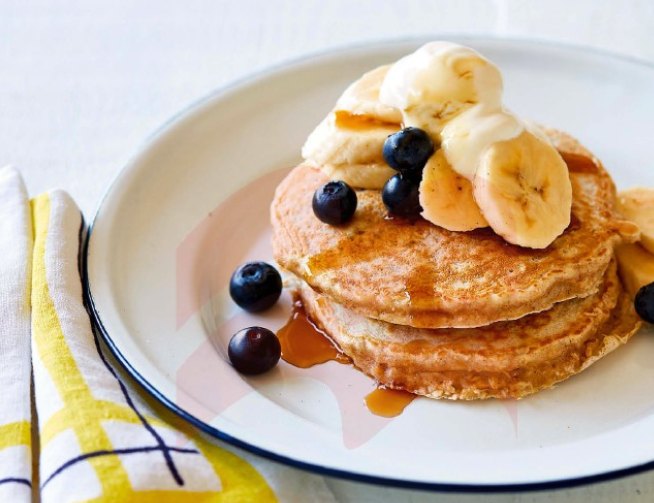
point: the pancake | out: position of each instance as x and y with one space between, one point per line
504 360
417 274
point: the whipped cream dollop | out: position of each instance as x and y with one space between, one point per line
465 138
438 81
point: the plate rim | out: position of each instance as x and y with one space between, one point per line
251 79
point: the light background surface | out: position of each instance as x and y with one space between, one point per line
83 83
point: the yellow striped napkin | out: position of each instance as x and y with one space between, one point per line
99 440
15 268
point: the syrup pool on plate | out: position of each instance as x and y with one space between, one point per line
388 402
305 345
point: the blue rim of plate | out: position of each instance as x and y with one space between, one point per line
311 467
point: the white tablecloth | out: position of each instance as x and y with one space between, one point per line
83 83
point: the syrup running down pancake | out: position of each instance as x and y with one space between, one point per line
509 359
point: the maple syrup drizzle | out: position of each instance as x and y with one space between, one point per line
361 243
304 344
578 163
388 402
420 285
346 120
575 223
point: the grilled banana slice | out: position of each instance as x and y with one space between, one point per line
523 189
637 205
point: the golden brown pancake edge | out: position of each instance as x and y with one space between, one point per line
509 359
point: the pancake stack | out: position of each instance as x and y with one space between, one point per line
460 315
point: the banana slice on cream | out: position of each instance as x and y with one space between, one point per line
446 197
523 189
344 139
347 145
361 98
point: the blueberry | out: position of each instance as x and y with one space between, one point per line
408 151
644 303
255 286
335 202
254 350
400 196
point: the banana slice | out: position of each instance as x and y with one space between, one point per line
348 143
360 176
636 266
637 205
446 197
344 139
362 98
523 189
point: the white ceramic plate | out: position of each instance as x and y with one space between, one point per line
193 204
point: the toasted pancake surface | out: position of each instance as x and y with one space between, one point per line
417 274
504 360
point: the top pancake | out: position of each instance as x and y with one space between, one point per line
417 274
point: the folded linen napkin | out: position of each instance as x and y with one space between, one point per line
99 439
15 373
